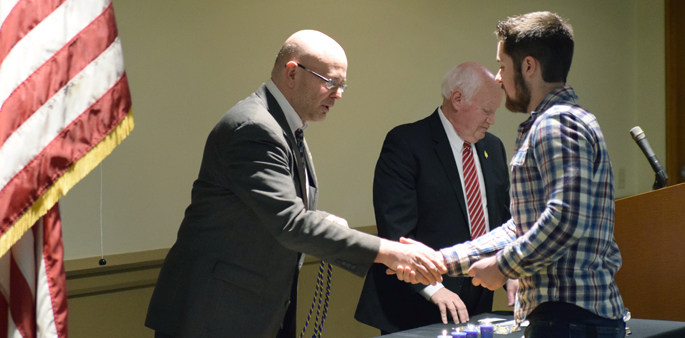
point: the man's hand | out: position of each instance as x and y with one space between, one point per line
404 274
512 287
424 264
448 300
485 272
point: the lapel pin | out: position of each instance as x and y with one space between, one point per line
486 154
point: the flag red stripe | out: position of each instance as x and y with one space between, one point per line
53 255
25 15
42 259
74 141
4 313
22 304
51 76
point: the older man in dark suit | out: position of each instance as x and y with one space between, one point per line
233 269
418 192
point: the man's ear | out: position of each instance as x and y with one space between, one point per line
457 99
290 69
529 66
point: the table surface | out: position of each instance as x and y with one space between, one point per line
640 328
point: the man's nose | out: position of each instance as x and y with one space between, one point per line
498 77
337 93
491 119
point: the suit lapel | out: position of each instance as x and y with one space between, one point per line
486 166
275 110
444 151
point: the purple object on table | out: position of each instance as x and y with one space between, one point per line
486 331
456 334
471 333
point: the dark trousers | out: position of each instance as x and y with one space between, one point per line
162 335
564 320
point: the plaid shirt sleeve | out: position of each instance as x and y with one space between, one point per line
459 257
558 170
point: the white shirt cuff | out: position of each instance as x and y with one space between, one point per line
429 290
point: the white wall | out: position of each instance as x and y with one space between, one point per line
190 61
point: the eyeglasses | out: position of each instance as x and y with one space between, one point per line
330 83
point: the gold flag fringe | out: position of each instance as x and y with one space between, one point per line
60 188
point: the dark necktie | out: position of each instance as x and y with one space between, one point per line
319 295
299 137
473 195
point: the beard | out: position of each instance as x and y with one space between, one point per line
520 103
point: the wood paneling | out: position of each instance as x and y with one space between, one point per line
650 232
111 300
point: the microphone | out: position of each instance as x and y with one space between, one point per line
660 177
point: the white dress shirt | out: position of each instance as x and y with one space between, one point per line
457 145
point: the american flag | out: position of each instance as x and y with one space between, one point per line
64 106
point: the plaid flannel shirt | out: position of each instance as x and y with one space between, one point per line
559 242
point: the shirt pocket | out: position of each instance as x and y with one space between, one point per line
519 158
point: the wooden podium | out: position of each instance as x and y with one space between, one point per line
650 232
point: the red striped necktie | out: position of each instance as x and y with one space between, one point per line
473 195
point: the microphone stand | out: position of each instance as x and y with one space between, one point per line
660 179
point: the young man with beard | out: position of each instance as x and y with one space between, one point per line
559 242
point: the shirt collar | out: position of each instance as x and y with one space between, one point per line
564 94
294 120
452 135
561 95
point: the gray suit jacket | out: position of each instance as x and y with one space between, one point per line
236 257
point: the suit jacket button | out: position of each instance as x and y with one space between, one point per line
287 303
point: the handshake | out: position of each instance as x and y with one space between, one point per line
412 261
416 262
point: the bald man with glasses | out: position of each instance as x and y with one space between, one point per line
233 271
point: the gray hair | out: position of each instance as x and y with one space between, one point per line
467 77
